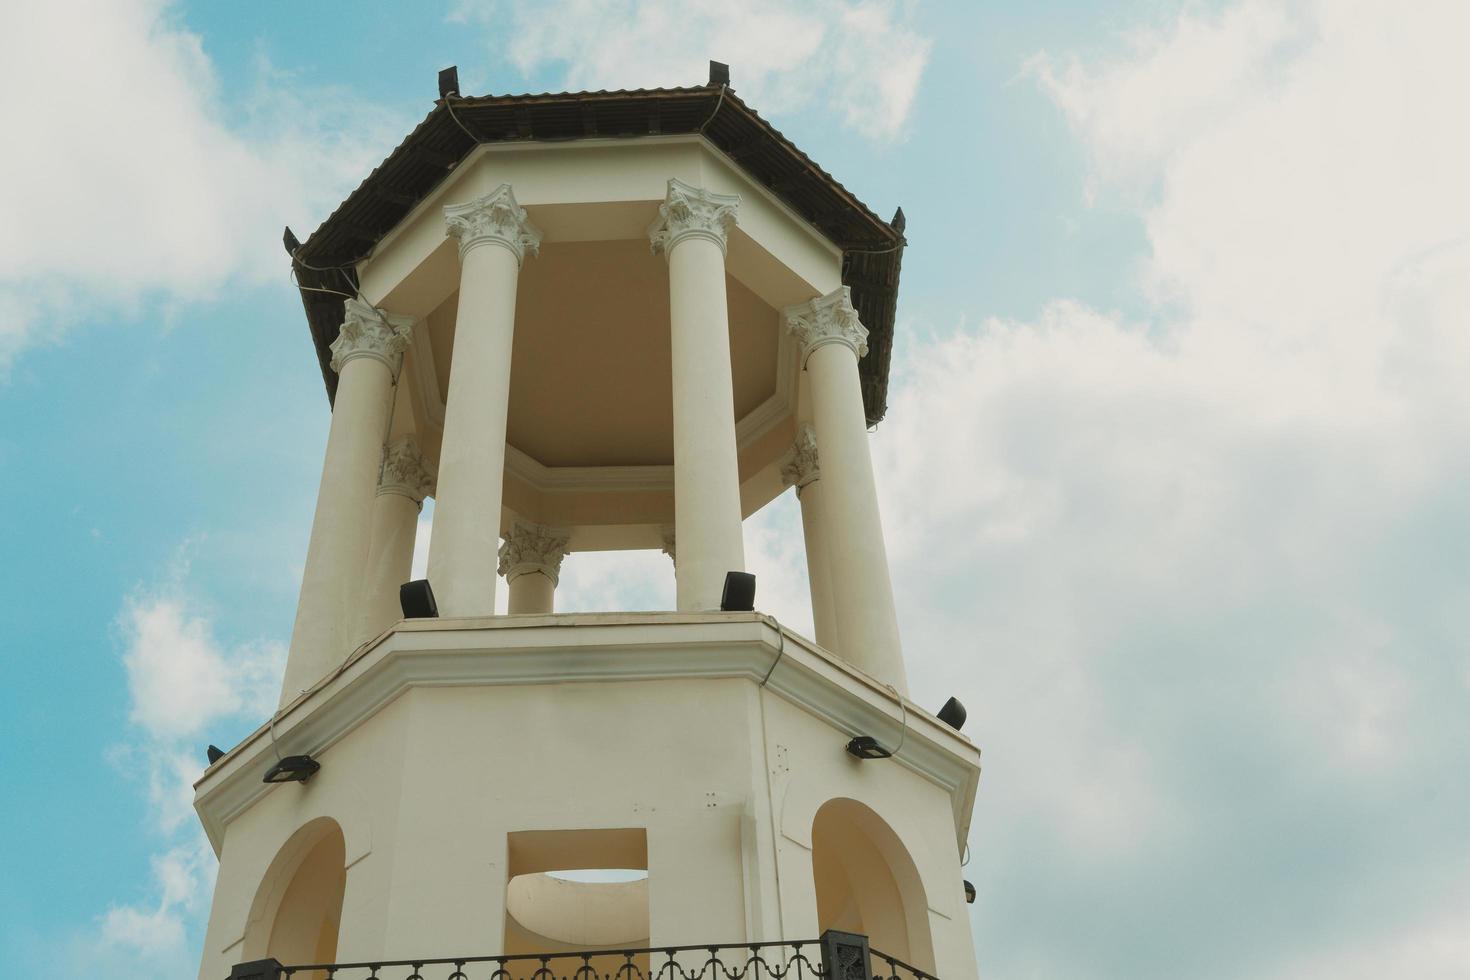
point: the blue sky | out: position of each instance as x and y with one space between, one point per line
1174 474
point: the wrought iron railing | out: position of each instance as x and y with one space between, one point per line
835 956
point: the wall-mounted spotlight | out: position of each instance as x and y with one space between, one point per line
953 714
291 242
214 753
292 769
417 600
739 595
969 893
867 747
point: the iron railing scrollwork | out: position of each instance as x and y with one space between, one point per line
835 956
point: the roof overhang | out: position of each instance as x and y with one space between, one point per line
872 248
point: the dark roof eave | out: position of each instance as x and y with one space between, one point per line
872 248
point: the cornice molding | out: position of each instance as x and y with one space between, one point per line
583 479
370 332
828 319
533 547
495 219
601 647
405 471
693 212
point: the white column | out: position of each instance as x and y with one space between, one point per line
531 560
691 230
494 237
832 339
802 471
366 355
406 479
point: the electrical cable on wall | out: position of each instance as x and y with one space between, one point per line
780 649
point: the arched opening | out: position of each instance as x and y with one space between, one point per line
866 882
298 907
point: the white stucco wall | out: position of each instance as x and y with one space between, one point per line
724 776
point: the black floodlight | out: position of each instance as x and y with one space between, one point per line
417 600
215 753
719 74
292 769
899 222
969 893
739 595
953 714
449 81
867 747
291 242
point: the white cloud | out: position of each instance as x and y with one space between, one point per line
183 876
180 680
183 684
159 186
1190 571
862 58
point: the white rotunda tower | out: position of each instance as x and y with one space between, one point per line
587 322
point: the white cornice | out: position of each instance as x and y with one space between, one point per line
434 199
582 479
607 647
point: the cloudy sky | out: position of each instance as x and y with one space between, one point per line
1176 473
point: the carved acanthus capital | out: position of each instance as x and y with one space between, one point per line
800 467
829 319
692 212
495 219
405 471
533 548
369 332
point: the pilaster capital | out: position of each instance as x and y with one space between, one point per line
405 471
800 466
370 332
692 212
828 319
533 548
494 219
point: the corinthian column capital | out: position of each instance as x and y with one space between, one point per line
828 319
405 471
533 548
800 467
493 219
692 212
370 332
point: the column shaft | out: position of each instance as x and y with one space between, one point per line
531 593
367 352
867 623
692 227
493 234
818 566
405 479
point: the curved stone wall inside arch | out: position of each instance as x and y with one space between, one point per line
866 882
